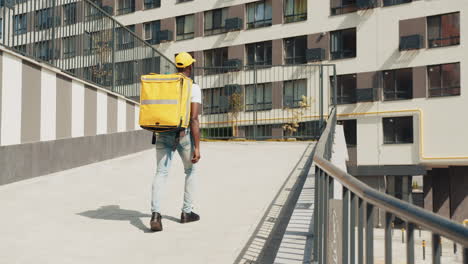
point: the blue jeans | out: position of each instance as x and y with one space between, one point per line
164 156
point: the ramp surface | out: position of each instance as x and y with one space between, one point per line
100 213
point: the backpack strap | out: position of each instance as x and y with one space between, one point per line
153 140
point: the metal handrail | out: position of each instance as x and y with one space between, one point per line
412 214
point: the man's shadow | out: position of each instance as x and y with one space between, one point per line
115 213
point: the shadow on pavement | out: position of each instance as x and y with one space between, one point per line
115 213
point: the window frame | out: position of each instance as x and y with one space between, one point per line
294 17
214 68
397 92
342 9
70 14
123 8
395 2
341 88
453 39
69 45
267 47
265 104
397 130
444 91
294 103
219 29
23 24
265 22
125 39
151 4
294 60
185 35
338 48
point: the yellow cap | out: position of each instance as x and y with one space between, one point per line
183 60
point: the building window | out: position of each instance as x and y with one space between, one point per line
183 1
343 44
295 50
45 19
151 65
258 131
93 13
125 6
443 30
444 80
259 53
20 24
43 50
395 2
345 88
398 130
294 93
398 84
20 49
152 4
126 72
215 21
343 7
214 59
350 132
69 14
69 47
259 14
216 100
125 39
185 27
295 10
151 30
258 99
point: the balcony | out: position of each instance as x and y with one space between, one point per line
233 24
395 2
317 54
411 42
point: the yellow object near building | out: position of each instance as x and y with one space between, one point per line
165 102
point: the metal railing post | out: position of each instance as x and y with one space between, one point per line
361 232
316 216
388 237
436 249
345 230
320 223
410 243
352 235
369 233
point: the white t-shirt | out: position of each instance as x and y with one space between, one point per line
196 94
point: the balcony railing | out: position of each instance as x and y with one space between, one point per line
349 218
442 42
343 9
88 46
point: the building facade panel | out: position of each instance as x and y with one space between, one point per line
31 103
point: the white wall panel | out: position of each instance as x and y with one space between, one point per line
121 115
48 105
77 109
11 100
101 112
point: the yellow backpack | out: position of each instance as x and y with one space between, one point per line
165 102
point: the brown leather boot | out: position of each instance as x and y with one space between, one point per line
189 217
156 223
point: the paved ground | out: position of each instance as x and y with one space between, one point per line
99 213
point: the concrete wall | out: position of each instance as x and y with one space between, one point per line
50 121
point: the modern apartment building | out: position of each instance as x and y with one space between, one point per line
400 91
399 63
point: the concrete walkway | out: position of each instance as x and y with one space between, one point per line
100 213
